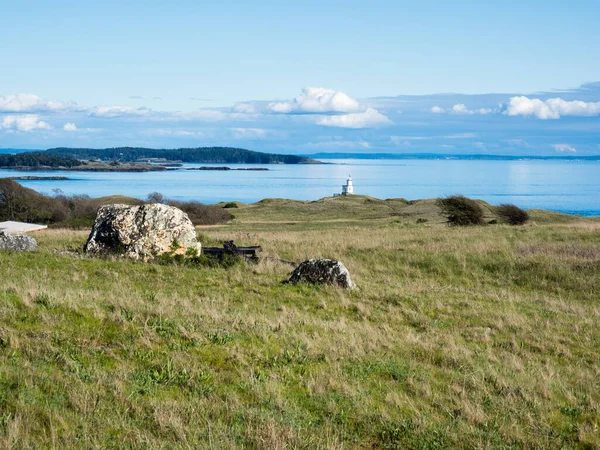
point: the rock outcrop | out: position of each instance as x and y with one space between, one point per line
322 271
16 242
141 232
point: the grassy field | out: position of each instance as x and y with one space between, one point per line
482 337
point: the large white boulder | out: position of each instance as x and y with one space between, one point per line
141 232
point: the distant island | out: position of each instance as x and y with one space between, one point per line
130 159
259 169
210 155
45 161
34 178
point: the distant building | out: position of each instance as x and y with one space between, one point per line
348 189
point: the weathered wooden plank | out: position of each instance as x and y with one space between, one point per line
20 227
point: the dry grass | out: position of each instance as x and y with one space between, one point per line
481 337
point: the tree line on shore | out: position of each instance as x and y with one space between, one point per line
38 159
219 155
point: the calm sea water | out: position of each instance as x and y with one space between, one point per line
566 186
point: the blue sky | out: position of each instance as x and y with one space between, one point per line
303 77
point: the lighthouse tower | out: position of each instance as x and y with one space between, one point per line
348 189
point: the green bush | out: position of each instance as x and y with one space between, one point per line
512 214
201 214
460 210
230 205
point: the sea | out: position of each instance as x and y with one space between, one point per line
569 186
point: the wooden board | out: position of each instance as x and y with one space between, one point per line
20 227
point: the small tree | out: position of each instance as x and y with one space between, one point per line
460 210
512 214
156 197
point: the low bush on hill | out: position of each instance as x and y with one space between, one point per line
460 210
199 213
512 214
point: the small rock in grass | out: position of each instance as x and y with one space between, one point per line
17 243
322 271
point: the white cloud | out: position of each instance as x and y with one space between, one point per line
203 115
339 144
248 133
461 136
244 108
461 108
370 118
318 100
553 108
410 138
175 133
32 103
26 122
564 148
70 126
118 111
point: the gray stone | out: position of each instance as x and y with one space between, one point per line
322 271
17 243
141 232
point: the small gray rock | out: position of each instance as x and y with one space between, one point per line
322 271
141 232
17 243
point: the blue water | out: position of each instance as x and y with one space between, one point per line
566 186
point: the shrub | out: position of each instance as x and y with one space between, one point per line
230 205
25 205
156 197
460 210
201 214
512 214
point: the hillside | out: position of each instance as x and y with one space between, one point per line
219 155
478 337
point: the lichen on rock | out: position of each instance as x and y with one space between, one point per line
323 271
17 242
141 232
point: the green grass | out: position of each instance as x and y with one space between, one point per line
480 337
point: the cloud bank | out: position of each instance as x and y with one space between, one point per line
32 103
26 122
322 118
552 108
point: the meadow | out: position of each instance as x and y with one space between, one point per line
457 337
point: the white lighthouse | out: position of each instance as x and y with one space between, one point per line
348 189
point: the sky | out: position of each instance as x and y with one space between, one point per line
510 77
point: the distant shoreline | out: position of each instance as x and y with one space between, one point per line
361 156
441 156
34 178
